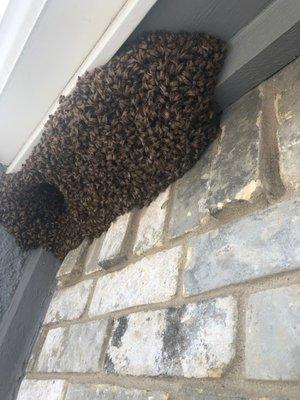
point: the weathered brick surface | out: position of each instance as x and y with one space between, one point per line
93 254
46 389
260 244
197 394
106 392
69 303
190 196
287 104
273 334
235 169
150 280
73 260
74 348
112 250
226 174
151 225
196 340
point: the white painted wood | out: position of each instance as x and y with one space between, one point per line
16 24
119 30
63 35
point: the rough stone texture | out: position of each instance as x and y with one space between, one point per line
92 257
195 340
190 195
287 104
75 348
260 244
198 394
69 303
273 334
151 224
235 169
112 248
106 392
72 261
150 280
35 389
11 268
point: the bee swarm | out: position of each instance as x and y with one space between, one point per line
127 130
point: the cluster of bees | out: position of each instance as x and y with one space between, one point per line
127 130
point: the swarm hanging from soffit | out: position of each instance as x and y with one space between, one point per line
127 130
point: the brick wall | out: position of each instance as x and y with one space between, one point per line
196 296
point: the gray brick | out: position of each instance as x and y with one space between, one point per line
235 169
151 225
107 392
150 280
93 254
227 173
273 334
190 195
195 340
72 262
260 244
69 303
74 348
287 104
112 250
46 389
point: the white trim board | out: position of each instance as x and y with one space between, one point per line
115 35
17 21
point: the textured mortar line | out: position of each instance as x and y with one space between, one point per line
181 269
37 348
235 370
246 288
91 294
65 390
170 204
268 154
108 335
171 385
130 234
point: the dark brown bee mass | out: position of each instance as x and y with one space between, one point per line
126 131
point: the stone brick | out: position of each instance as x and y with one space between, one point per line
195 340
69 303
73 260
112 250
260 244
273 334
151 225
107 392
235 169
32 389
93 254
287 104
190 196
74 348
150 280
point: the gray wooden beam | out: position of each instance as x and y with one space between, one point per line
263 47
22 320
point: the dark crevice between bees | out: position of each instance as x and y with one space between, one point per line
126 131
